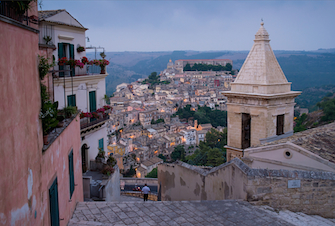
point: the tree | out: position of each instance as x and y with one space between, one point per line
328 107
187 67
152 174
229 67
161 156
215 157
178 153
216 139
153 76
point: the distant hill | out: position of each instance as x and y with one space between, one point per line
311 96
303 68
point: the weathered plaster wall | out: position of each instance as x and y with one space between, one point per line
182 182
235 180
20 131
55 163
26 173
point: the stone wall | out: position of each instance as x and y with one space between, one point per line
316 194
305 191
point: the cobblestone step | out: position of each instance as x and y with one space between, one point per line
299 219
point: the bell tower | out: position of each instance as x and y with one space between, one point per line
260 104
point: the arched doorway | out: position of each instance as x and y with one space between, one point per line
84 157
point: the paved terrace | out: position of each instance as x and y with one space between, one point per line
227 212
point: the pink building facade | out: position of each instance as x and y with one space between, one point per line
28 168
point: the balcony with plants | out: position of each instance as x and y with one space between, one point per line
19 12
81 67
54 121
46 36
92 119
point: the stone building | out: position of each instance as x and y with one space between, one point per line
260 104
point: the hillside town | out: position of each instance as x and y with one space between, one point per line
143 120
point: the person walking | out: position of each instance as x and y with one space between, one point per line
145 191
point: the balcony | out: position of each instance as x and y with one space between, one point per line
46 36
88 125
57 131
16 13
65 71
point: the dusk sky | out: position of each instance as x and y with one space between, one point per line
202 25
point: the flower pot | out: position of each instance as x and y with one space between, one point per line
103 70
60 124
45 139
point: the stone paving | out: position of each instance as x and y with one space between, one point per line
139 213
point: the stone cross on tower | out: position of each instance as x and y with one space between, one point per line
260 104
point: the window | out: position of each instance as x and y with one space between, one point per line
246 123
93 104
71 174
280 124
71 100
101 144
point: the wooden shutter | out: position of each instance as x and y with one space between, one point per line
54 209
71 173
93 104
280 124
61 54
246 128
101 144
72 57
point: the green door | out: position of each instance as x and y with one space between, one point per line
54 209
71 174
61 54
93 103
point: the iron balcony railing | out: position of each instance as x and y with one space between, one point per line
87 122
86 70
12 10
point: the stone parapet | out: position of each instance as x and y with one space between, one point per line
310 192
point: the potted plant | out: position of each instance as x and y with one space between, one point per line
100 156
103 55
103 63
80 49
69 111
48 115
47 39
43 66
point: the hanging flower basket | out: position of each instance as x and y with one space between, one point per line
80 49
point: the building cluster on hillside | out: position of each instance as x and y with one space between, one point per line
142 121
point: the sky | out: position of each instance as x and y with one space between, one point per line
162 25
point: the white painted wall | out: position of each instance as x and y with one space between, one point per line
81 91
92 141
78 39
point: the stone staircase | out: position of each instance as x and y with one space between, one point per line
187 213
298 218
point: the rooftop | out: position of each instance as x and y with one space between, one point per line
320 141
